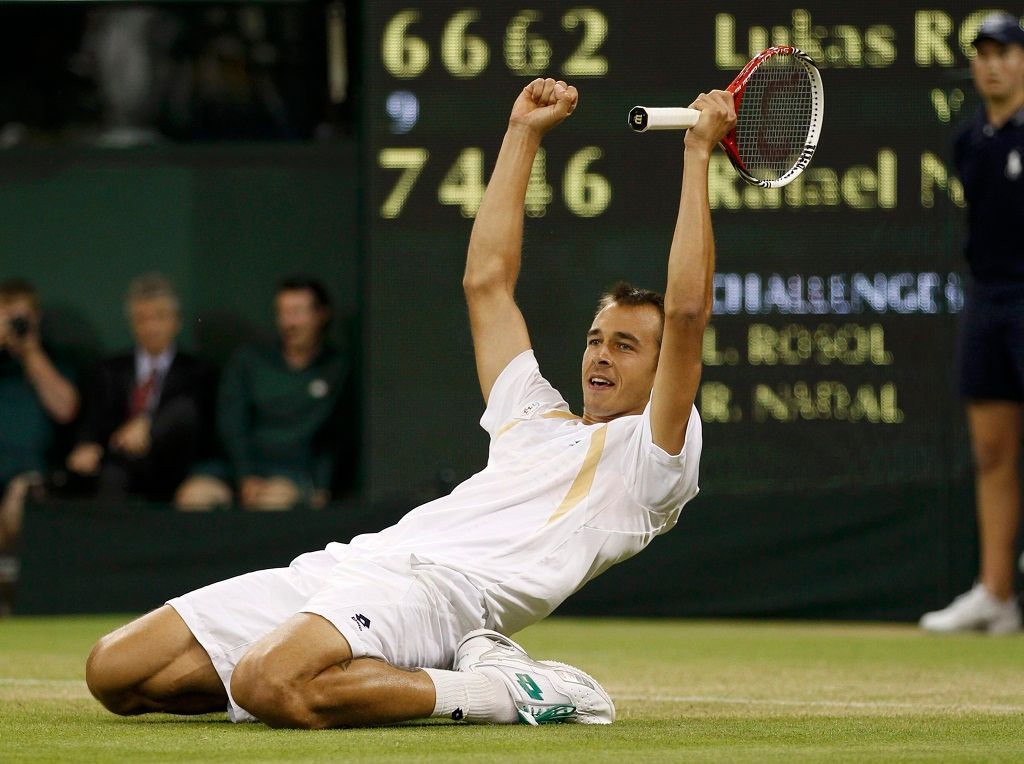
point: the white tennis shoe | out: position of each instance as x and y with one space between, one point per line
544 692
975 610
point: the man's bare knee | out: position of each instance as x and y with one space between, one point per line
278 494
994 455
201 493
107 679
154 663
261 687
281 679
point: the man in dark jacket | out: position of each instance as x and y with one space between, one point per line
148 413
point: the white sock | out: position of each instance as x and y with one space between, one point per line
472 697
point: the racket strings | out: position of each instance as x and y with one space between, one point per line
775 117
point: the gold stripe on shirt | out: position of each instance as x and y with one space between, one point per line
506 427
556 414
580 488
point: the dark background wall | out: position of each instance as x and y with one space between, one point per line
223 222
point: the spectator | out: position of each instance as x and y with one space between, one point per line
989 157
148 413
277 412
35 394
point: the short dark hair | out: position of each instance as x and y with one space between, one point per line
624 293
321 297
151 286
15 288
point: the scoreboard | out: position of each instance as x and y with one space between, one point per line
829 360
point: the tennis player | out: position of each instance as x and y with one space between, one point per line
368 632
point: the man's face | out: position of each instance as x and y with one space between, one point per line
620 361
300 322
998 70
154 324
17 308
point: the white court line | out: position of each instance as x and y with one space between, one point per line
981 707
12 682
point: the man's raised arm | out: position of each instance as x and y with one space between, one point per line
495 246
691 267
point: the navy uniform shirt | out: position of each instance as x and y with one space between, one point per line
990 162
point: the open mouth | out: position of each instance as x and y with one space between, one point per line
599 383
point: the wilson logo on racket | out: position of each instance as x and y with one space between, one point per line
780 104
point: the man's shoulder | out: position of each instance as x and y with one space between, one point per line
624 427
336 367
521 377
330 356
185 361
621 429
1016 124
969 127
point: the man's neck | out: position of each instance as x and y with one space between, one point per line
143 353
999 112
301 357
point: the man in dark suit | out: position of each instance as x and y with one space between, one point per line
149 413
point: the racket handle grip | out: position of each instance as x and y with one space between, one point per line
644 118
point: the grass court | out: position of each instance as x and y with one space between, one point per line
724 691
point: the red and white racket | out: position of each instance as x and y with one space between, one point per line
779 107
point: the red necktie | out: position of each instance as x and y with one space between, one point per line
141 394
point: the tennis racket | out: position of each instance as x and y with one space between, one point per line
779 107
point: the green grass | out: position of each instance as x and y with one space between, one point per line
697 691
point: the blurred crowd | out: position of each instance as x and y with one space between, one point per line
123 75
157 423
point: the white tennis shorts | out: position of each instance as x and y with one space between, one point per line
410 615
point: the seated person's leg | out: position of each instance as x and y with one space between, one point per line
12 509
154 664
200 493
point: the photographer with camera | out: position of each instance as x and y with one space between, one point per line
34 396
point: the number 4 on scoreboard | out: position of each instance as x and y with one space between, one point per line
463 186
585 193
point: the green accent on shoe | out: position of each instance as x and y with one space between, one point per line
554 714
527 683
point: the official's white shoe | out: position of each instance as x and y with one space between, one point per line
975 610
544 691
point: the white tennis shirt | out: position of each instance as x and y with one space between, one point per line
558 503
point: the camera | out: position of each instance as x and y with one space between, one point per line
20 326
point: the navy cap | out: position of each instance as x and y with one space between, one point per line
1001 27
